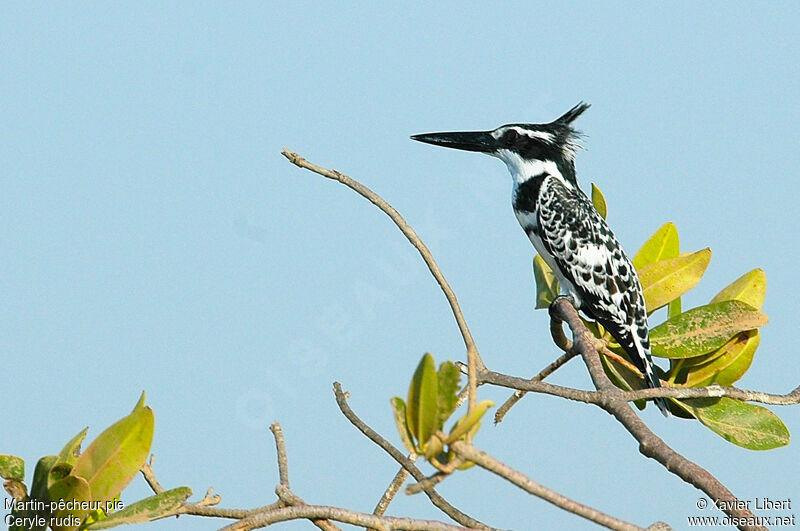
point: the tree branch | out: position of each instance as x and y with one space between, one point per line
397 455
615 402
544 373
717 391
473 357
317 512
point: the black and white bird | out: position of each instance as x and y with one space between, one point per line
565 228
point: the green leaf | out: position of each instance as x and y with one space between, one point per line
674 308
116 455
746 425
38 492
468 421
73 490
727 364
666 280
662 245
449 377
158 506
547 287
41 475
599 201
399 409
12 467
704 329
750 288
421 406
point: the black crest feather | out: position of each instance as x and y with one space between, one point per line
571 115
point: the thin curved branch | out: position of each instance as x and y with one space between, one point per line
473 357
397 455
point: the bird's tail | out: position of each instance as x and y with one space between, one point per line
638 349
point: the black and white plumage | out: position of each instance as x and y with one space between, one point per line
565 228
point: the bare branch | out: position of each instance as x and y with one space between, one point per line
282 490
150 476
280 448
317 512
537 386
716 391
473 357
397 455
544 373
392 490
486 461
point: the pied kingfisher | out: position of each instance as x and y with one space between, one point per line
565 228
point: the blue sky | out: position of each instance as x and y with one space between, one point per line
154 238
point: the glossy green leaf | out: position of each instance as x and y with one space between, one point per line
727 364
399 410
449 377
704 329
750 288
116 455
421 406
662 245
666 280
12 467
547 287
746 425
158 506
468 421
73 490
599 201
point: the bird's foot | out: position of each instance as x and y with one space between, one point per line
551 308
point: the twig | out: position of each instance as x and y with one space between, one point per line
150 476
716 391
283 490
397 455
473 357
280 449
392 490
544 373
316 512
650 445
484 460
203 507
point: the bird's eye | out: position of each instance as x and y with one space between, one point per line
510 138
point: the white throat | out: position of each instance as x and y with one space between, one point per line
521 170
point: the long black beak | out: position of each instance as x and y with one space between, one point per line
480 141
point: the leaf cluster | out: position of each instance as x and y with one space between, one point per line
431 401
710 344
77 490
